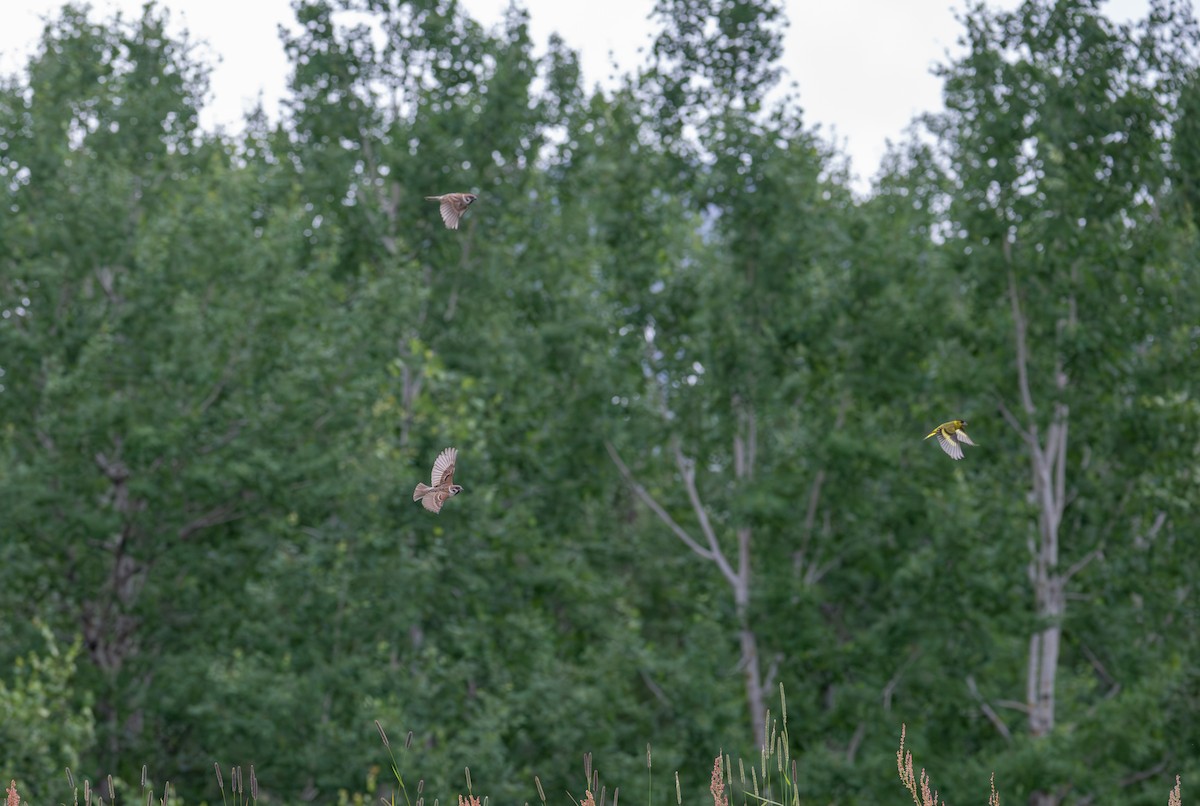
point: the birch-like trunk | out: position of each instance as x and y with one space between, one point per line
1048 466
1048 469
745 446
736 573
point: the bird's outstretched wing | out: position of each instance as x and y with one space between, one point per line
450 213
962 437
949 445
434 499
443 469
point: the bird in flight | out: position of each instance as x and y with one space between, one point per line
951 437
453 205
444 488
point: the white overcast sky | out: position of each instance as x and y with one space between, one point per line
862 66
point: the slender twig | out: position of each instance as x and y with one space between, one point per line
856 740
1108 679
890 688
687 467
1013 421
988 711
1082 563
657 508
222 514
655 688
1144 775
1022 348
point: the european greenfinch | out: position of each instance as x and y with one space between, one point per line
951 436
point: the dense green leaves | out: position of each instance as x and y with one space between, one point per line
44 725
687 372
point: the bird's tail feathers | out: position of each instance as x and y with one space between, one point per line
420 491
433 198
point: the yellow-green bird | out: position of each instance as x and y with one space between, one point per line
950 436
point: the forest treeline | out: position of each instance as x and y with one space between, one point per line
687 370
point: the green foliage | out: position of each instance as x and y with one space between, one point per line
42 726
224 363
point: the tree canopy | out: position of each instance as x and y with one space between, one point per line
687 370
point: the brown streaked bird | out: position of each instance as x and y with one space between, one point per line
444 488
951 436
453 205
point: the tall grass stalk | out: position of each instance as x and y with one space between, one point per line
396 768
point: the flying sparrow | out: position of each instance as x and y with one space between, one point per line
951 436
453 206
432 498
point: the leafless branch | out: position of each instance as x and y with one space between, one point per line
687 467
856 740
649 501
814 499
1013 421
1082 563
1144 775
772 670
1159 520
219 386
114 470
655 688
1060 455
1098 666
988 711
106 276
890 688
1019 328
745 441
45 439
222 514
814 572
229 436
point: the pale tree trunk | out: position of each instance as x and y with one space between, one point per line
736 573
745 445
1048 462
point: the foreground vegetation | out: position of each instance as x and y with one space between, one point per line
687 371
773 780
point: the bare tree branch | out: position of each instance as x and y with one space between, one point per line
1158 525
890 688
687 467
231 433
655 688
1082 563
988 711
812 573
772 670
1013 421
649 501
1022 348
224 378
1142 541
1061 413
1108 679
856 740
814 499
222 514
1144 775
